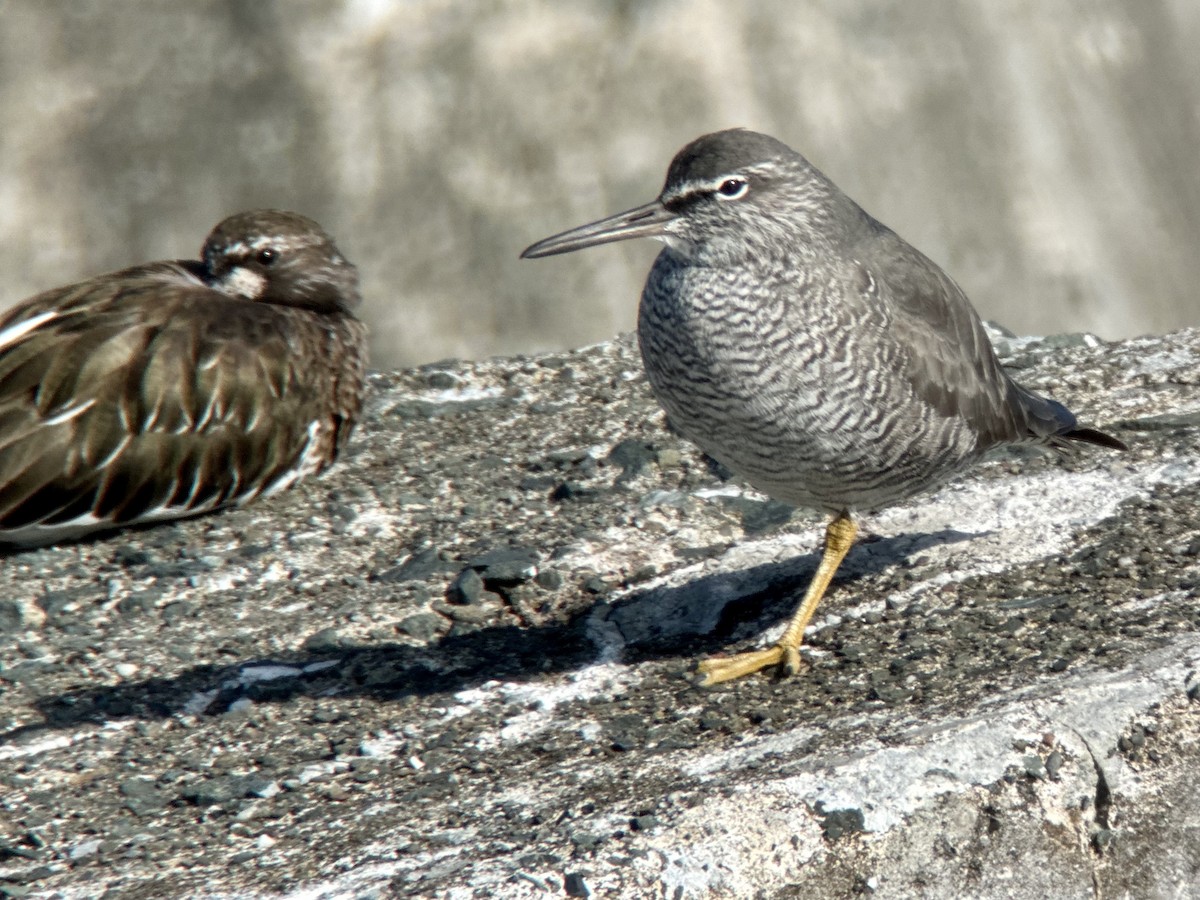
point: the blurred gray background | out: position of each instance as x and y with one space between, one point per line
1047 155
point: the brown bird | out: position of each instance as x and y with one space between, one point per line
179 387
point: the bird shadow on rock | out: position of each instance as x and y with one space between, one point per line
657 623
706 613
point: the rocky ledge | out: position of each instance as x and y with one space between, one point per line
458 666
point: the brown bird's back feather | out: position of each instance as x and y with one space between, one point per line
146 394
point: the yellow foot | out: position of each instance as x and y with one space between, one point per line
727 668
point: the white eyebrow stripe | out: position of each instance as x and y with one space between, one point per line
697 188
14 333
690 188
261 242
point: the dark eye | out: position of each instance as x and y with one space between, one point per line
267 256
733 188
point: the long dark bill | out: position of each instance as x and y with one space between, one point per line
644 221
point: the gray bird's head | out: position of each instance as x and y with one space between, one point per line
284 258
730 196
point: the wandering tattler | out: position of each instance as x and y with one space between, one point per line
174 388
811 350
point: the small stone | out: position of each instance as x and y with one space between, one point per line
11 616
505 567
658 499
177 612
567 457
422 626
538 483
574 885
263 788
633 456
1034 767
222 789
585 840
142 796
644 822
130 555
466 588
58 604
365 775
139 603
572 490
12 851
669 458
421 566
324 641
550 579
84 850
642 573
1054 763
762 516
839 822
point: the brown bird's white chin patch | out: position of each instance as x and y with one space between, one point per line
241 282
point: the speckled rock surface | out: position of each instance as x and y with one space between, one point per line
457 666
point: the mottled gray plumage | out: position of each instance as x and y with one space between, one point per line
806 346
178 387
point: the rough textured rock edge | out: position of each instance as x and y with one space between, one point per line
458 666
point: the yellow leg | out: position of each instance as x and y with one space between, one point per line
786 651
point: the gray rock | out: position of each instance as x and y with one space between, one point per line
466 588
423 626
142 796
276 732
420 566
12 617
505 567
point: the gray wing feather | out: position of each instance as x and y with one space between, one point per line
949 360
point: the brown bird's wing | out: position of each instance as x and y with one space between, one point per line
146 395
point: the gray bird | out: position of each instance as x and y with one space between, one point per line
811 350
179 387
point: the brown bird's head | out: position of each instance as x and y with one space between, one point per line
278 257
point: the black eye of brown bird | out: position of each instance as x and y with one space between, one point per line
175 388
811 350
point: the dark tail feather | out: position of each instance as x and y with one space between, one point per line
1050 421
1092 436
